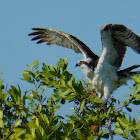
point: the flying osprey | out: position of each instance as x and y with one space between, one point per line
103 71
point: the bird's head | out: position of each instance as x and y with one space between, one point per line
81 62
85 63
87 66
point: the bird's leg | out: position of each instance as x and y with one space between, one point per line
107 93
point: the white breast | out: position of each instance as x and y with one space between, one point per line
87 71
105 77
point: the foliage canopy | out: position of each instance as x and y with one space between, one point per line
31 115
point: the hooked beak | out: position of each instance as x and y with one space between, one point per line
78 64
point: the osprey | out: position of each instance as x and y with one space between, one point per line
103 71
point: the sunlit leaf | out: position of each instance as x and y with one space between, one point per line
51 67
98 101
1 114
56 127
82 104
10 104
18 122
1 84
28 66
127 131
118 130
17 132
0 75
65 92
1 119
29 96
136 79
27 77
36 95
35 64
109 110
117 124
139 120
1 123
123 122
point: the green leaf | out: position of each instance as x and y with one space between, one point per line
117 124
73 117
79 135
1 119
136 102
66 59
118 130
44 117
27 77
56 127
71 97
30 96
0 75
82 104
28 66
1 84
51 67
123 121
1 123
129 109
36 95
18 122
139 120
127 131
63 82
63 93
137 95
63 101
28 137
101 133
91 137
1 115
17 133
98 101
136 79
35 64
70 126
138 89
39 108
64 128
109 111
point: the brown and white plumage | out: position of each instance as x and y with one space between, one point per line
121 37
101 71
52 36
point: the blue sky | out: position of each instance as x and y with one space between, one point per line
80 18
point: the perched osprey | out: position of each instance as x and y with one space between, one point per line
103 71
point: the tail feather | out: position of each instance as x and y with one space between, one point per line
129 69
128 73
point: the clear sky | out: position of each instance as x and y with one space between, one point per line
81 18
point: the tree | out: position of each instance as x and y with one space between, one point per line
31 115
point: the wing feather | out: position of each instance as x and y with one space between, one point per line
120 37
126 36
52 36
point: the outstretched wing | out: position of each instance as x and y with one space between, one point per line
115 38
52 36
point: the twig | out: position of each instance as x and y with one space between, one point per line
109 127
